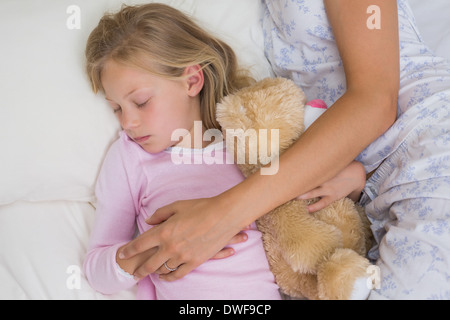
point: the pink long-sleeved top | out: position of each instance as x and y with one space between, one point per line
132 184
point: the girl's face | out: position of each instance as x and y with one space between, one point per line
149 107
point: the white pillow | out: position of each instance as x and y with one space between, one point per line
54 131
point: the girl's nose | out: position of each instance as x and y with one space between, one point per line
130 120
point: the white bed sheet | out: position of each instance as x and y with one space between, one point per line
43 247
42 250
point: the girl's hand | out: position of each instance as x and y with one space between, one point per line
186 234
348 183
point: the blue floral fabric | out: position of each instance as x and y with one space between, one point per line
408 197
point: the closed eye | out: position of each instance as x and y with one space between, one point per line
141 105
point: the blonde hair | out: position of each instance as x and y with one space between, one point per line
164 41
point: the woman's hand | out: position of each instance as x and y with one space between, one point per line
186 234
132 264
347 183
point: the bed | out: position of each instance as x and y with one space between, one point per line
54 131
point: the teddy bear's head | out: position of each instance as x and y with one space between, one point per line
261 121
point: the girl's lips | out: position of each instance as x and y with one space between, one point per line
141 139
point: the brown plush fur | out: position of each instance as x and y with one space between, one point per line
314 256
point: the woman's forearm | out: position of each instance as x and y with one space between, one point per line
326 148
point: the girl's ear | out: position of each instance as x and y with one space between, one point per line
194 79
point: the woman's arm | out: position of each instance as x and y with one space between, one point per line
363 113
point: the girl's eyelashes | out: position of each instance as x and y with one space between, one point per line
141 105
117 108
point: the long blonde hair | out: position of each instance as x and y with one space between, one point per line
164 41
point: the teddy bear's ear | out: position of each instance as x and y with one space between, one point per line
273 103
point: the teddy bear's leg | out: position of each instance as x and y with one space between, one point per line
299 285
345 216
338 275
291 283
302 239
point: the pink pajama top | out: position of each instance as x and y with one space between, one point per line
133 184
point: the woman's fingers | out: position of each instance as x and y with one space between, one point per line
162 214
181 272
179 269
142 243
168 267
172 265
150 238
188 233
151 265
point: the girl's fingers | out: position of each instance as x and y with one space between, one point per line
228 252
239 238
148 266
315 193
319 205
224 253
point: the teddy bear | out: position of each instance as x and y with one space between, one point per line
318 256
